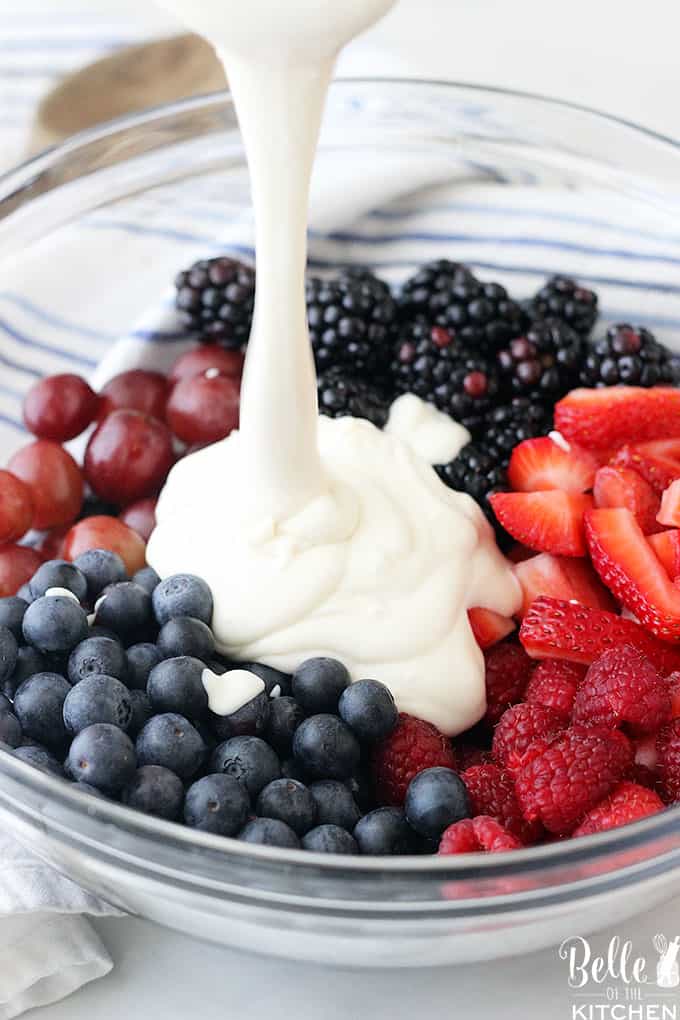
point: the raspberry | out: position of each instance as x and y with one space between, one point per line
519 727
627 803
668 747
553 683
468 755
673 685
412 746
571 776
622 687
508 669
492 792
472 835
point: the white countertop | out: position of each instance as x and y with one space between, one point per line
620 57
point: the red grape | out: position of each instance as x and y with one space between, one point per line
141 517
16 507
106 533
128 457
204 408
18 564
136 390
55 481
200 359
60 407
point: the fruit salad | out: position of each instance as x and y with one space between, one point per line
111 675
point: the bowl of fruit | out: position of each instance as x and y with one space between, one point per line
505 261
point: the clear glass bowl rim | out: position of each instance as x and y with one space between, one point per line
104 813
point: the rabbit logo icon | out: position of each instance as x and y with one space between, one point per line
668 968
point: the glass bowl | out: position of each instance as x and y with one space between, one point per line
91 234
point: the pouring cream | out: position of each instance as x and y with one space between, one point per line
319 536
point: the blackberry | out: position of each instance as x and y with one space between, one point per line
479 472
544 363
482 316
563 298
215 297
628 355
341 395
512 423
430 362
351 322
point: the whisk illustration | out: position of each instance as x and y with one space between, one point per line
667 969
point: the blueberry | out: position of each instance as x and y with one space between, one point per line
155 791
97 656
272 678
126 609
269 832
176 685
146 578
335 804
5 704
10 729
185 635
29 661
97 699
24 593
368 708
384 831
435 799
55 624
289 801
100 568
39 706
58 574
248 721
141 659
285 715
140 711
218 804
99 631
326 747
318 684
172 741
9 651
292 769
104 756
39 758
12 610
330 839
248 759
182 595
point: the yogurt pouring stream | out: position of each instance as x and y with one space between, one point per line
320 536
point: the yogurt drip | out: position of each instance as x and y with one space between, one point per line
318 536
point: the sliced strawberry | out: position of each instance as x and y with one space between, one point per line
539 464
561 577
658 462
488 627
618 414
546 521
670 506
631 570
554 629
619 486
666 545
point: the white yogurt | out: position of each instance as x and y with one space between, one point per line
319 536
228 692
429 432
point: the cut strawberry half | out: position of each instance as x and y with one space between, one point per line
561 577
666 545
631 570
488 627
619 486
669 512
618 414
546 521
554 629
539 464
658 462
